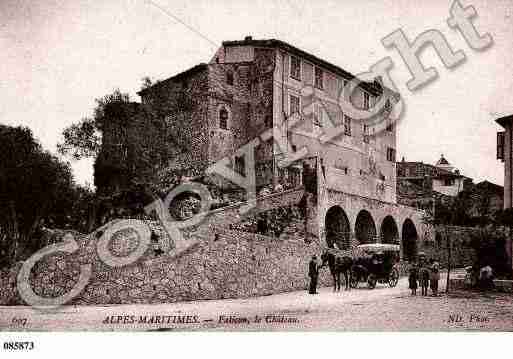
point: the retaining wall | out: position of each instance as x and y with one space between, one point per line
235 265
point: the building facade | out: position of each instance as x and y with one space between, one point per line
442 177
505 154
253 86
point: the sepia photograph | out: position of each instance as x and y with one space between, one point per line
255 166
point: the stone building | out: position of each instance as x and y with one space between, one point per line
276 100
251 86
505 154
442 177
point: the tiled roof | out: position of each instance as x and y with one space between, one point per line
373 87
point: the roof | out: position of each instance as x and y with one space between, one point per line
184 74
373 87
442 161
440 172
490 186
503 121
376 247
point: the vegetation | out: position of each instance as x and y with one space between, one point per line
489 244
128 143
36 191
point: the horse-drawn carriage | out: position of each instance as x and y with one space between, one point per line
375 263
371 263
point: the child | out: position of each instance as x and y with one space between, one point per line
412 279
424 279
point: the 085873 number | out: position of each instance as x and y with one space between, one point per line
13 346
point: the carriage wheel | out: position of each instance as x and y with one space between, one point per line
353 281
371 282
393 277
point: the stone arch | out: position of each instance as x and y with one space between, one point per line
409 240
365 228
338 230
389 231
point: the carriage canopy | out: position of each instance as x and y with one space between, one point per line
379 247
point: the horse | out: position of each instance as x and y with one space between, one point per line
337 265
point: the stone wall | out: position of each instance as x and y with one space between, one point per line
233 265
8 291
181 104
462 254
223 263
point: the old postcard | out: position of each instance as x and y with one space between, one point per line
255 166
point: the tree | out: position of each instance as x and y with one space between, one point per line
505 218
34 187
83 139
451 213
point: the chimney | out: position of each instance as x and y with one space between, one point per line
248 38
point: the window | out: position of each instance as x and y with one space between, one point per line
295 68
500 145
448 182
317 115
319 77
366 103
388 110
229 78
239 165
268 121
347 125
366 133
223 118
294 104
390 154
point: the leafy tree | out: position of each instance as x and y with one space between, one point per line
489 244
505 218
449 213
83 139
35 188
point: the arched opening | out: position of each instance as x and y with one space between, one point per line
223 118
365 229
337 227
409 240
389 231
229 78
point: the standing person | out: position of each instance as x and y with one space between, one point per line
424 278
486 278
413 278
313 273
435 277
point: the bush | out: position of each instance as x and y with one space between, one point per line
489 244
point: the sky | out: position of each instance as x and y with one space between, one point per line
58 56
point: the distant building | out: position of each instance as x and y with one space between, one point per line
486 199
505 153
442 177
